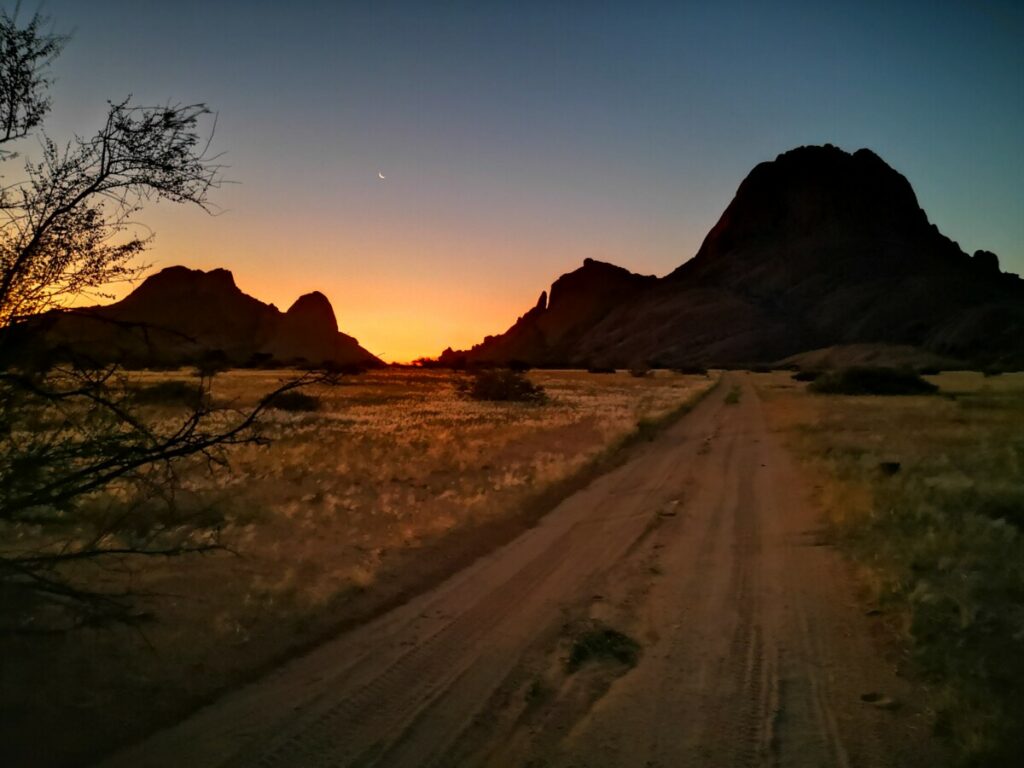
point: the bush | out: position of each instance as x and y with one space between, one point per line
501 385
872 381
600 369
212 363
602 643
639 371
346 369
806 375
295 401
691 369
172 393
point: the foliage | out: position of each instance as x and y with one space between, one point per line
960 573
96 478
941 541
89 461
25 53
500 384
68 225
872 381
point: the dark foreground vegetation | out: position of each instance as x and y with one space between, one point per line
927 494
871 381
500 385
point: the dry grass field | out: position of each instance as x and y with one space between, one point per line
390 483
927 494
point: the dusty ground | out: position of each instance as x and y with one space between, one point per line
395 483
753 649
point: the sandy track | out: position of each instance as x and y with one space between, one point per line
702 547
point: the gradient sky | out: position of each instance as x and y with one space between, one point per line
519 138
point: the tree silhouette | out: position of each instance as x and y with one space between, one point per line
87 468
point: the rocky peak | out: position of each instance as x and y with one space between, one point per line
820 193
314 310
594 282
177 279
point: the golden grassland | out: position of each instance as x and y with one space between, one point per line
394 482
927 495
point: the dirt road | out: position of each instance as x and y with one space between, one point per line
702 547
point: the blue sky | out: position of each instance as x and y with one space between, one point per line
519 138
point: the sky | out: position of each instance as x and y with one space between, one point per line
518 138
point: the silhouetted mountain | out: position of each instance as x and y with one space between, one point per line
182 316
819 247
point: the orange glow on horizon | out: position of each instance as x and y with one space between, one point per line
396 321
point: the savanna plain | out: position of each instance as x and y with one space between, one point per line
365 492
373 490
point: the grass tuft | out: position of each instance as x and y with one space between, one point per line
602 643
296 402
172 392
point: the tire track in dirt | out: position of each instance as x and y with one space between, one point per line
753 650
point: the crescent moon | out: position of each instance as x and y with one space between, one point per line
380 176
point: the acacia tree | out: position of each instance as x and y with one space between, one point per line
88 471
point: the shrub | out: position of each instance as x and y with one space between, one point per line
872 381
602 643
691 369
639 371
806 375
600 369
519 366
501 385
295 401
173 392
346 369
260 360
213 362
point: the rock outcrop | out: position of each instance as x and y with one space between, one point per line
819 247
182 316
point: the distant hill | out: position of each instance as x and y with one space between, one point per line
182 316
819 247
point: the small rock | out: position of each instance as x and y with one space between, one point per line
879 700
